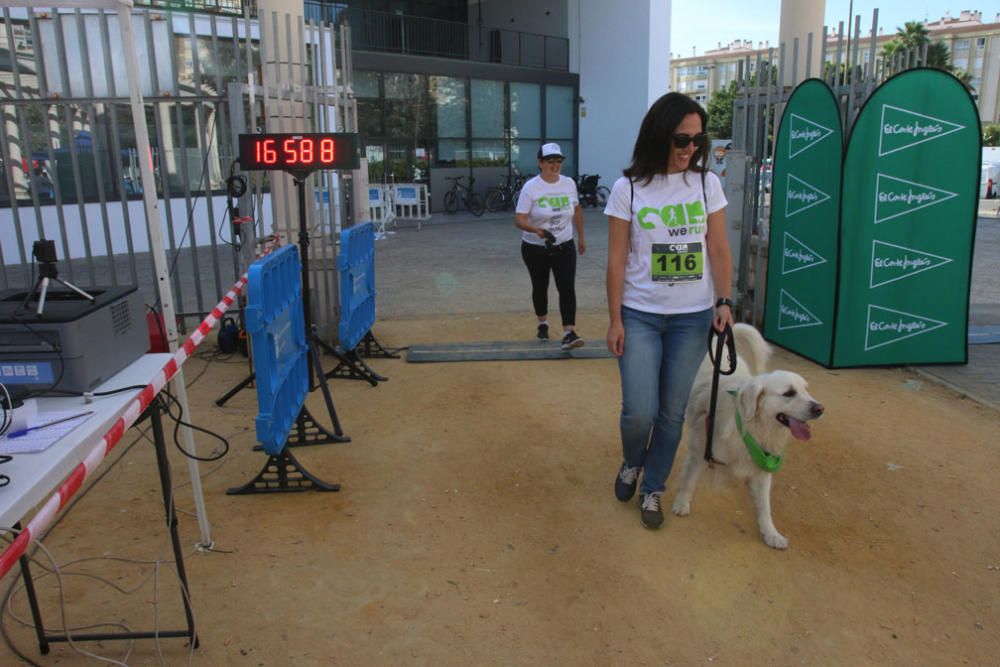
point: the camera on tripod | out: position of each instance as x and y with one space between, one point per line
43 252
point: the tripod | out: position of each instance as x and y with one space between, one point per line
44 252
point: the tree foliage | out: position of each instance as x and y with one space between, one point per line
991 135
910 42
720 112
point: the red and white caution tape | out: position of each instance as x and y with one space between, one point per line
90 463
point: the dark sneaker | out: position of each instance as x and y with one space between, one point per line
571 340
650 513
543 332
625 482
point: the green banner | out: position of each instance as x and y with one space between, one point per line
908 218
805 200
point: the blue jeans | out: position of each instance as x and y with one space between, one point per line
662 355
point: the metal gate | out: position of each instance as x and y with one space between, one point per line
68 150
763 89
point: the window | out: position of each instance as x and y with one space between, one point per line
449 104
406 115
452 152
559 112
489 153
525 110
448 98
488 108
370 115
524 156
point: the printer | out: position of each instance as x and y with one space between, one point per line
75 344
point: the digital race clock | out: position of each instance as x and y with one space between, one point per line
303 152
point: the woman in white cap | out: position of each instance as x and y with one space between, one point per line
669 279
547 205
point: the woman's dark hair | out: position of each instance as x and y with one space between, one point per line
651 154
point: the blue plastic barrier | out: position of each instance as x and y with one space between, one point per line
356 264
274 321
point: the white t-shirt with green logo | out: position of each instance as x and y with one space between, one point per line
549 206
667 270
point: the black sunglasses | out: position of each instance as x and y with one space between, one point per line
683 140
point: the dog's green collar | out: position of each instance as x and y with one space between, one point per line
765 460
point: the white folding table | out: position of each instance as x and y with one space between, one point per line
34 477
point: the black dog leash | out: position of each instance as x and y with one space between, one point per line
725 340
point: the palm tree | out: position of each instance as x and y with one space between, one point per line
910 42
912 35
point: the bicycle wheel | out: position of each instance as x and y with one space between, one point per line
450 201
477 204
494 201
602 196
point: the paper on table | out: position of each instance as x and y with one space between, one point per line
43 438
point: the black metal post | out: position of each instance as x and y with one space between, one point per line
36 613
163 465
300 185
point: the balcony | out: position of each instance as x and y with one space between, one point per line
387 32
225 7
525 49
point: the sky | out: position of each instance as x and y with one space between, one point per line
703 25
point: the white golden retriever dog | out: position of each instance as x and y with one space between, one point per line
772 406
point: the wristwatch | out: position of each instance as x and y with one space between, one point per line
725 301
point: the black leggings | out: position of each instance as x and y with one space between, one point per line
561 260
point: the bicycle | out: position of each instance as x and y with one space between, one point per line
463 194
504 196
590 193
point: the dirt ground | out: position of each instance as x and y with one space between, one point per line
477 525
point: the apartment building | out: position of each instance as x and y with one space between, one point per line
974 46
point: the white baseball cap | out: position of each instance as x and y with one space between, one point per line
550 150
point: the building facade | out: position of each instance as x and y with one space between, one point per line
473 87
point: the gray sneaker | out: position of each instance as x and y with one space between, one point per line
650 513
625 482
571 340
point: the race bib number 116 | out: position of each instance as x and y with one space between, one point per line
677 262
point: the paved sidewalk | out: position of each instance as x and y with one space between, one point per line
980 378
459 264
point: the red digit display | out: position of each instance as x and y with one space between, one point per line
265 152
291 155
299 153
327 154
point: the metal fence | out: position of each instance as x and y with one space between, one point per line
233 7
512 47
852 67
388 32
68 151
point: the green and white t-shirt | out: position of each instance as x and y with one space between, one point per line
549 206
668 271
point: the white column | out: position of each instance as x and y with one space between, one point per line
622 49
15 167
283 69
798 19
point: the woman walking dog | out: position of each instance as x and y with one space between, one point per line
668 264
